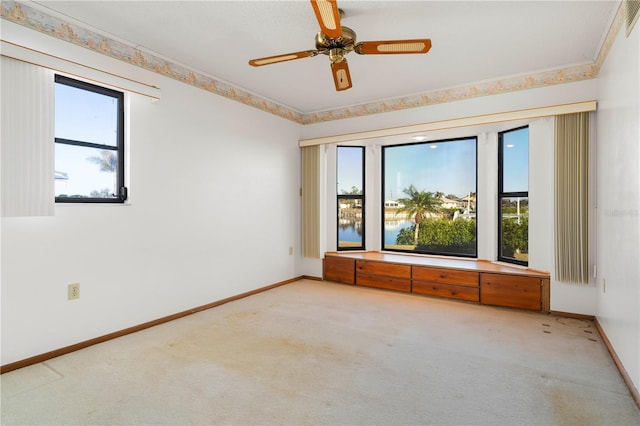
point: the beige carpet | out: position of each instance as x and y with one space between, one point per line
321 353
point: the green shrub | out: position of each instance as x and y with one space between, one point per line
515 236
442 236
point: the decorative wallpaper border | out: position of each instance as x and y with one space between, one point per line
37 20
513 84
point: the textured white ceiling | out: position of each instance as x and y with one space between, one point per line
473 41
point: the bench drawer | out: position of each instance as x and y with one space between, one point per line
383 268
448 276
511 291
389 283
461 292
339 269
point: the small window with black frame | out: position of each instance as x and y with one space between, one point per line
513 196
89 143
350 191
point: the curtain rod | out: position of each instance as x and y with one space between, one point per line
75 69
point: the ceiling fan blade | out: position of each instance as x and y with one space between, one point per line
282 58
421 45
328 17
341 76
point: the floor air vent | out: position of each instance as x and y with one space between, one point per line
632 10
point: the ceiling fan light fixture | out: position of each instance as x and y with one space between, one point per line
336 55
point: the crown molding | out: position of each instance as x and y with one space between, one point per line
40 21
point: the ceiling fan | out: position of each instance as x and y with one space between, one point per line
337 41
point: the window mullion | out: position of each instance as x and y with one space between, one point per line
86 144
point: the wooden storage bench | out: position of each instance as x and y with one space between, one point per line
478 281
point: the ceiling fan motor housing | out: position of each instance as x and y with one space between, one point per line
336 48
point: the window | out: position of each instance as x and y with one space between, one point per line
429 197
513 196
89 143
350 186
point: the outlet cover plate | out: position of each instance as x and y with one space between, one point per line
73 291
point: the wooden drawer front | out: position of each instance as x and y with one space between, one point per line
383 268
448 276
388 283
446 290
511 291
339 269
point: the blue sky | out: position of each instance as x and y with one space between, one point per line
349 168
515 160
85 116
448 167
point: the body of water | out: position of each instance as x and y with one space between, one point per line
351 230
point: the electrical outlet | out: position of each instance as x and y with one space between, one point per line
604 285
73 291
290 250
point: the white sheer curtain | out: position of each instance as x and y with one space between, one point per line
27 145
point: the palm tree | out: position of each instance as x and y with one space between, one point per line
418 204
107 160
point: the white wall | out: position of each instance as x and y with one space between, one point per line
618 195
213 210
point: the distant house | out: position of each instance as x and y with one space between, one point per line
448 203
61 179
469 202
351 204
60 175
393 204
